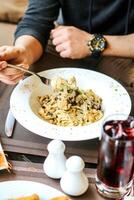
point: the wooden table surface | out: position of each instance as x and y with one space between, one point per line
27 151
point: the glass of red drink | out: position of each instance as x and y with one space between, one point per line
115 169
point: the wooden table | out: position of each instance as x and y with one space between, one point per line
27 152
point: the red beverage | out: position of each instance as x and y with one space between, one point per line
116 155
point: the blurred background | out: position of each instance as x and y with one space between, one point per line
11 11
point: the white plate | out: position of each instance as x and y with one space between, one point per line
24 105
16 189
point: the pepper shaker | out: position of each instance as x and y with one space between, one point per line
74 182
54 164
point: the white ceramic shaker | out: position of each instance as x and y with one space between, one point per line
74 182
55 164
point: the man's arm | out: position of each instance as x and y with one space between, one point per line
32 46
38 20
121 46
71 42
31 38
25 51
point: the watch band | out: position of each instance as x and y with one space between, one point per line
96 54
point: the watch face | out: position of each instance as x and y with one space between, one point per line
98 44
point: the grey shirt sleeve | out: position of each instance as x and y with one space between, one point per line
38 20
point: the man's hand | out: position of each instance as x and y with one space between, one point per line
23 54
70 42
15 55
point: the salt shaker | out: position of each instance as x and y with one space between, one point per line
55 164
74 182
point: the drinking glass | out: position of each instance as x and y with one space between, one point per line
115 169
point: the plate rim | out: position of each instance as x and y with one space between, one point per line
36 183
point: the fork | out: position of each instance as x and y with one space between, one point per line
44 80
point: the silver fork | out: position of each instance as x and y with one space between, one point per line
44 80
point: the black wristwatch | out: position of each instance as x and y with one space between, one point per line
97 45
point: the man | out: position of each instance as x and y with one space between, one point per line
91 29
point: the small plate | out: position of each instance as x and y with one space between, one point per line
19 188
